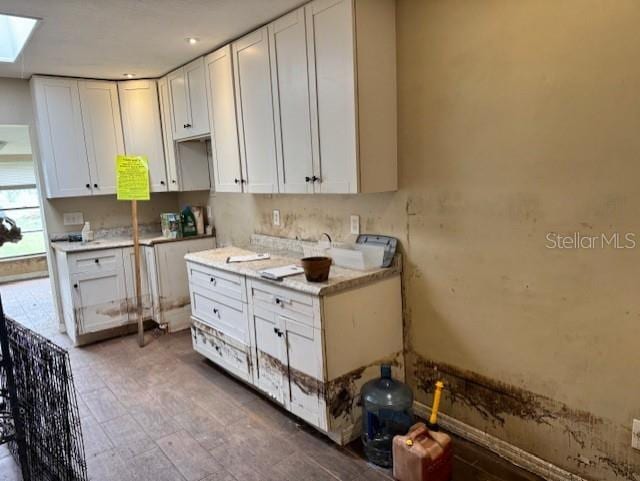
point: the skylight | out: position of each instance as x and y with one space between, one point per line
14 33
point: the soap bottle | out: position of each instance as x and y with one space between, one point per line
87 233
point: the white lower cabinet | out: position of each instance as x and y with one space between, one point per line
99 297
298 348
98 293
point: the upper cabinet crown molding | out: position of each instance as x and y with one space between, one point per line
142 127
188 101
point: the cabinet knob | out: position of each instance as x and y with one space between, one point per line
75 286
237 181
242 181
315 179
88 186
162 182
173 181
216 311
186 126
278 301
97 261
278 331
95 185
307 179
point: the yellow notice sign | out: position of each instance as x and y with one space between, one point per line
132 172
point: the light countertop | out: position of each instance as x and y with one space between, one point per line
148 239
339 278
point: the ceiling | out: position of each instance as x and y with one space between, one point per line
14 140
105 39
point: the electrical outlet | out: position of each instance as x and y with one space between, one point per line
355 224
276 217
635 434
73 218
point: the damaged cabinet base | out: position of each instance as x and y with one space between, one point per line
310 354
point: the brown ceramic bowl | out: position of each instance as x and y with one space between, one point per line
316 269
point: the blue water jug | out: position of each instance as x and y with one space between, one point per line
387 410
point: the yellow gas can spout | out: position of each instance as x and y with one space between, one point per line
433 420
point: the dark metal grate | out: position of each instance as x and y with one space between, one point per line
48 408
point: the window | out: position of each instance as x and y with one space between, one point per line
18 194
22 206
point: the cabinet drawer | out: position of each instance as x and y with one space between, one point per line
234 358
304 308
95 261
222 313
220 282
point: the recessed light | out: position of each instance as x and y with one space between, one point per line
192 40
129 75
14 34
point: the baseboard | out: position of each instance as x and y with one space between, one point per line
511 453
24 277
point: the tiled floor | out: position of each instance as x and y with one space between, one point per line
162 413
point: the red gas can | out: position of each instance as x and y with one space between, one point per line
422 455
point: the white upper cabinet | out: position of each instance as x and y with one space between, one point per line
188 101
142 128
167 134
102 132
61 137
352 65
290 74
222 121
256 122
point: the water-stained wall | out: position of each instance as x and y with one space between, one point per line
516 119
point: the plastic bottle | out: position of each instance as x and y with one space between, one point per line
387 411
189 227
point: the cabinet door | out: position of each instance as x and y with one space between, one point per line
61 137
290 73
198 113
102 131
130 284
222 120
100 300
142 128
167 134
256 121
271 361
178 104
173 282
305 386
330 43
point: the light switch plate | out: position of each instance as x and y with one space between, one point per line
355 224
73 218
276 217
635 434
